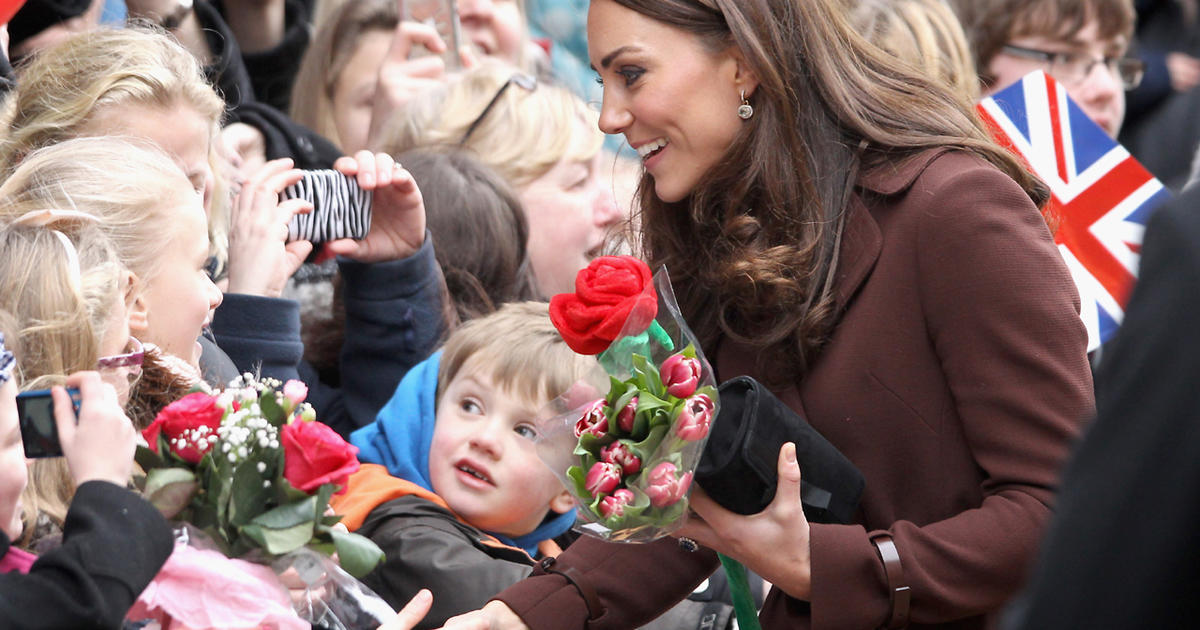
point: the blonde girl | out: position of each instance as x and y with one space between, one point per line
70 314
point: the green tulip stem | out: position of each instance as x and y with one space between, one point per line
739 589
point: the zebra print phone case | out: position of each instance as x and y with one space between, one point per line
340 208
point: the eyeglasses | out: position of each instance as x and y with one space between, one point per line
525 81
130 362
1073 68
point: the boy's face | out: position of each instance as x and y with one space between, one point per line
482 460
1098 92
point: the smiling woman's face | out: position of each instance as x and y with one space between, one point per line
673 99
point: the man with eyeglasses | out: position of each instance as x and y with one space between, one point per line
1081 43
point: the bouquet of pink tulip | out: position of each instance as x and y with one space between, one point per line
632 451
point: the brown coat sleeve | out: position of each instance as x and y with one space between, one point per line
635 582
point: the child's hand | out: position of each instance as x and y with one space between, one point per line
101 445
412 613
260 258
398 212
495 615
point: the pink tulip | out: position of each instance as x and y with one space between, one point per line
602 478
680 375
619 454
593 420
614 505
695 418
625 417
665 487
295 391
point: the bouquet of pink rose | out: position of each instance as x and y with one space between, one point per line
253 471
632 450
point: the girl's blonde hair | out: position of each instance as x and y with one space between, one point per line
65 89
60 306
924 33
523 135
334 43
131 187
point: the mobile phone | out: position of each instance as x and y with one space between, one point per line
442 15
35 413
340 208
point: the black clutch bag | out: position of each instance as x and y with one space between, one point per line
739 467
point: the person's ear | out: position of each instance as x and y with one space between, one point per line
136 306
562 502
743 76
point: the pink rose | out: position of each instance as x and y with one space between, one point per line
295 391
593 420
680 375
626 416
314 455
619 454
665 488
614 505
695 418
187 424
602 478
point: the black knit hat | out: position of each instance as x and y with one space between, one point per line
39 15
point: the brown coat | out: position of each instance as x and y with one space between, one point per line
955 380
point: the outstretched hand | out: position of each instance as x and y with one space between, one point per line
412 613
397 215
772 543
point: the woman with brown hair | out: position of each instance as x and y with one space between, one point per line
843 230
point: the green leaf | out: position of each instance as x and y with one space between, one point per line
271 410
170 489
148 459
357 555
578 475
592 444
617 406
280 541
248 497
161 477
289 515
646 447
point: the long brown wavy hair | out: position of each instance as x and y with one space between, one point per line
753 250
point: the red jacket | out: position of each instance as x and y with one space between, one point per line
956 380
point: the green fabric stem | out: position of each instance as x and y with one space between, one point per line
661 336
739 589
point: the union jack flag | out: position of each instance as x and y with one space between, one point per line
1101 196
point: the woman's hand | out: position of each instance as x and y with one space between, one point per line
397 215
99 444
260 258
772 543
495 615
412 613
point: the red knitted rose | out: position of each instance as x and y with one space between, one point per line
609 292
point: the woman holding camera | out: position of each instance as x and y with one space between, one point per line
844 231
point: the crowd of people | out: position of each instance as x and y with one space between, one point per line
837 223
